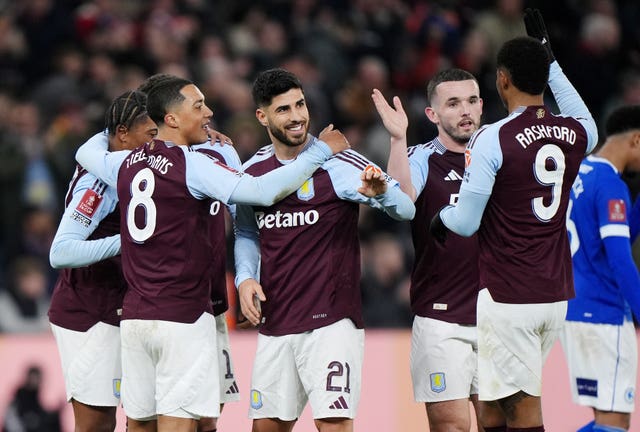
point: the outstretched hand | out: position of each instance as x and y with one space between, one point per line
394 118
334 139
373 182
534 23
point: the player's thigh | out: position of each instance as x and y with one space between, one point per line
329 361
187 376
170 367
276 390
513 342
443 360
91 364
602 360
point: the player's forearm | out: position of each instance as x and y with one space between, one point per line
397 204
68 252
398 166
273 186
247 257
464 218
624 270
570 102
91 156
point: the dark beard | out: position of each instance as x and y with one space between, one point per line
280 136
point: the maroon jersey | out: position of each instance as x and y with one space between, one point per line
524 247
166 243
444 280
217 232
310 252
84 296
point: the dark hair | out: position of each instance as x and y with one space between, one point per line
527 63
153 81
273 82
126 110
446 76
623 119
163 94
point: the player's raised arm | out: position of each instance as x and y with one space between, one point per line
568 99
396 122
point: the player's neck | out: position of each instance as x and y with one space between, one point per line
286 152
523 99
170 135
614 154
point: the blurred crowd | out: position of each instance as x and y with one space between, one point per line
63 61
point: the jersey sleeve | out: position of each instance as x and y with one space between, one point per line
345 169
88 206
483 159
247 245
570 103
94 156
419 167
207 177
612 201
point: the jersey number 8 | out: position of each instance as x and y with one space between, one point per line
142 187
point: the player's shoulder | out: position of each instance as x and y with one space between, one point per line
262 154
347 160
426 149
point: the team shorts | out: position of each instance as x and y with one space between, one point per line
603 364
444 360
514 341
91 363
322 366
170 368
229 391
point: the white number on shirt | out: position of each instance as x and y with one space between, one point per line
574 241
548 177
142 187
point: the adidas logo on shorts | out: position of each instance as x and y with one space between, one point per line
339 404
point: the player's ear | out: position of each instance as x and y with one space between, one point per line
121 132
503 79
635 139
170 120
431 115
262 117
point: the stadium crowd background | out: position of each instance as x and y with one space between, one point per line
63 61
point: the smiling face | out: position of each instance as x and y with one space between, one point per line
456 108
191 116
141 131
286 118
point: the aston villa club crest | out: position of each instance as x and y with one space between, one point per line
116 388
438 383
306 191
540 112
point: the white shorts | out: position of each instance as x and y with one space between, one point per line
603 363
514 341
91 363
229 391
444 360
170 368
323 366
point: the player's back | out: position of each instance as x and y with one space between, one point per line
599 199
524 251
166 248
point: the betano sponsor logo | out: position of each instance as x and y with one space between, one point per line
286 220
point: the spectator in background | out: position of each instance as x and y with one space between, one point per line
26 413
24 304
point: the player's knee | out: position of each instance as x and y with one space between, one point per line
104 425
337 424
